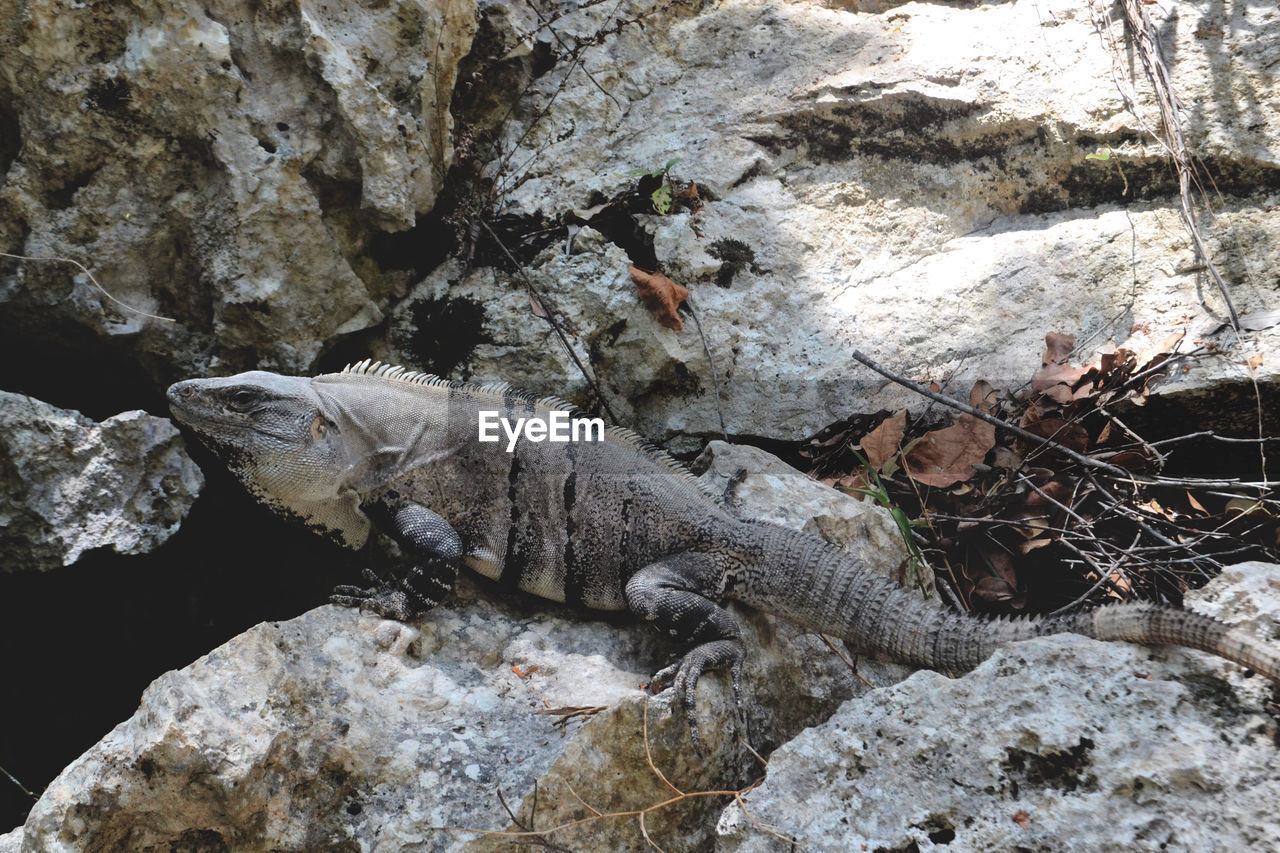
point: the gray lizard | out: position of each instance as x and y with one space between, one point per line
610 523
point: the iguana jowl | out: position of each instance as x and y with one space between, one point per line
611 524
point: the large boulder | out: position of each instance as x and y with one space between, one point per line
223 164
1055 743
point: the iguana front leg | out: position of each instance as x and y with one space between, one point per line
675 594
437 550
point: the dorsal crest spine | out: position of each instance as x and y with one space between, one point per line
500 390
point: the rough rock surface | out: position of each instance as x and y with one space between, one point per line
759 485
910 180
343 731
69 485
222 163
1056 743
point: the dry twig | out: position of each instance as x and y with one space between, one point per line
639 814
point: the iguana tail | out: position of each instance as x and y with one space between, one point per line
822 587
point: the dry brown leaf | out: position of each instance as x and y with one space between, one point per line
1069 435
1048 494
883 442
1061 394
944 457
1056 374
1172 341
1057 347
535 305
855 482
998 589
1124 362
982 396
1153 507
1033 524
1255 361
689 197
1021 818
661 295
1055 370
1025 548
1133 460
1005 457
994 589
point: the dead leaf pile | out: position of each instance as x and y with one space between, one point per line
1010 524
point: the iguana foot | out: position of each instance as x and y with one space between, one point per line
683 679
675 594
390 599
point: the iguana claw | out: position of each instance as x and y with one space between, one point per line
684 675
389 599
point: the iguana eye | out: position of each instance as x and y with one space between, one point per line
243 400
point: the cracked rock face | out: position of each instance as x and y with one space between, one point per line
221 163
69 485
911 180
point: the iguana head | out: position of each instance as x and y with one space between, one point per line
274 433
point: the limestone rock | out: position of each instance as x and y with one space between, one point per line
71 485
224 164
1059 742
909 180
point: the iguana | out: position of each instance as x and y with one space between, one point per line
610 523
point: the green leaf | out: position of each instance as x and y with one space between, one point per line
662 199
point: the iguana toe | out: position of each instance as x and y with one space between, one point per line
683 677
388 602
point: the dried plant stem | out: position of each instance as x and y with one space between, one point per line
551 318
539 836
126 306
1146 43
715 379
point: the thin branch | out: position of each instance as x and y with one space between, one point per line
21 787
715 380
851 664
550 311
570 50
648 755
989 418
1115 471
